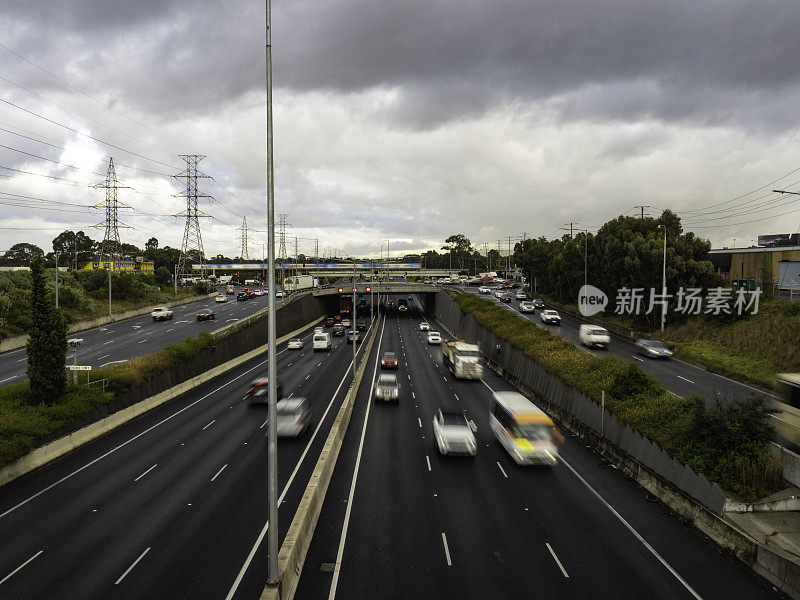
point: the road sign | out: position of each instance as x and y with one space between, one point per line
79 368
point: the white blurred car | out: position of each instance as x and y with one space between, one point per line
161 313
521 295
434 337
526 307
295 344
485 290
294 416
279 294
454 434
221 299
550 316
424 326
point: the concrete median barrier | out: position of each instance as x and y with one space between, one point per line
295 545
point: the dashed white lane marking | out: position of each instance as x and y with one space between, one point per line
684 378
108 342
22 359
209 425
446 550
413 395
143 341
146 472
309 375
138 326
260 426
639 359
218 472
502 470
129 569
420 422
170 329
102 357
23 565
428 459
558 562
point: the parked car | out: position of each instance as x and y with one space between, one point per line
485 290
453 433
594 336
205 315
221 299
653 348
538 303
424 326
434 337
258 392
161 313
294 416
387 387
550 316
294 344
526 307
389 360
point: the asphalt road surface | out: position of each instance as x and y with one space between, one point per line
122 340
677 376
400 521
172 505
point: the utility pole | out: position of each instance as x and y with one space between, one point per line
111 245
272 355
641 208
353 323
192 240
664 282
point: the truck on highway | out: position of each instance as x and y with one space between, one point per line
462 359
300 282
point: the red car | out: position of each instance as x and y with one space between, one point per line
329 322
389 360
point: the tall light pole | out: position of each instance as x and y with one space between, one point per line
57 277
664 282
353 322
272 370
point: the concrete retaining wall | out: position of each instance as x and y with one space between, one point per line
295 545
19 341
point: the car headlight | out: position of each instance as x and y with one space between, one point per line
653 350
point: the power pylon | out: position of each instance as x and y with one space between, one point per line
192 240
111 242
282 241
244 254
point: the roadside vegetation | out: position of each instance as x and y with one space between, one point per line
723 444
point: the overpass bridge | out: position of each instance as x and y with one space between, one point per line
381 269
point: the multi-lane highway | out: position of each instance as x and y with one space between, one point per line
399 521
172 505
122 340
677 376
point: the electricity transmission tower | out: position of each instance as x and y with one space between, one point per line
282 241
244 254
111 243
192 240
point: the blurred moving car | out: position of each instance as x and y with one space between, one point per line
485 290
338 329
550 316
526 432
242 296
526 307
258 293
653 348
500 292
161 313
362 326
594 336
322 341
387 388
424 326
389 360
258 392
230 290
346 322
329 322
279 294
221 299
294 344
205 315
453 433
538 303
434 337
352 335
294 416
507 298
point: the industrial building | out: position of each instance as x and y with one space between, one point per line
136 265
743 266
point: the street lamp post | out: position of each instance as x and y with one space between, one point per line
75 342
353 322
664 282
56 278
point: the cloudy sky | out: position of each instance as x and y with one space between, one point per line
405 121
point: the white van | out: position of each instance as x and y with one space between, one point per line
322 341
594 336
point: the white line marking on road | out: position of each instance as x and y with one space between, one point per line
413 395
428 459
146 472
558 562
309 375
456 395
443 377
22 359
684 378
170 329
502 470
209 425
7 577
141 556
113 362
220 471
102 357
290 395
108 342
409 376
420 422
446 550
319 365
143 341
138 326
639 359
9 378
262 425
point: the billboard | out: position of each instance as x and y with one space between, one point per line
778 239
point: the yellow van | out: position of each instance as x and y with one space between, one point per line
525 431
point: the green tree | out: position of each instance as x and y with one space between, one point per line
163 276
20 255
73 247
47 342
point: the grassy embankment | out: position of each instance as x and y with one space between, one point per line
713 443
22 423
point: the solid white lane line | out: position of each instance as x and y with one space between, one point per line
9 379
420 422
10 575
446 550
146 472
632 530
502 470
264 529
141 556
22 359
108 342
428 459
413 395
209 425
260 426
220 471
340 552
558 562
684 378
